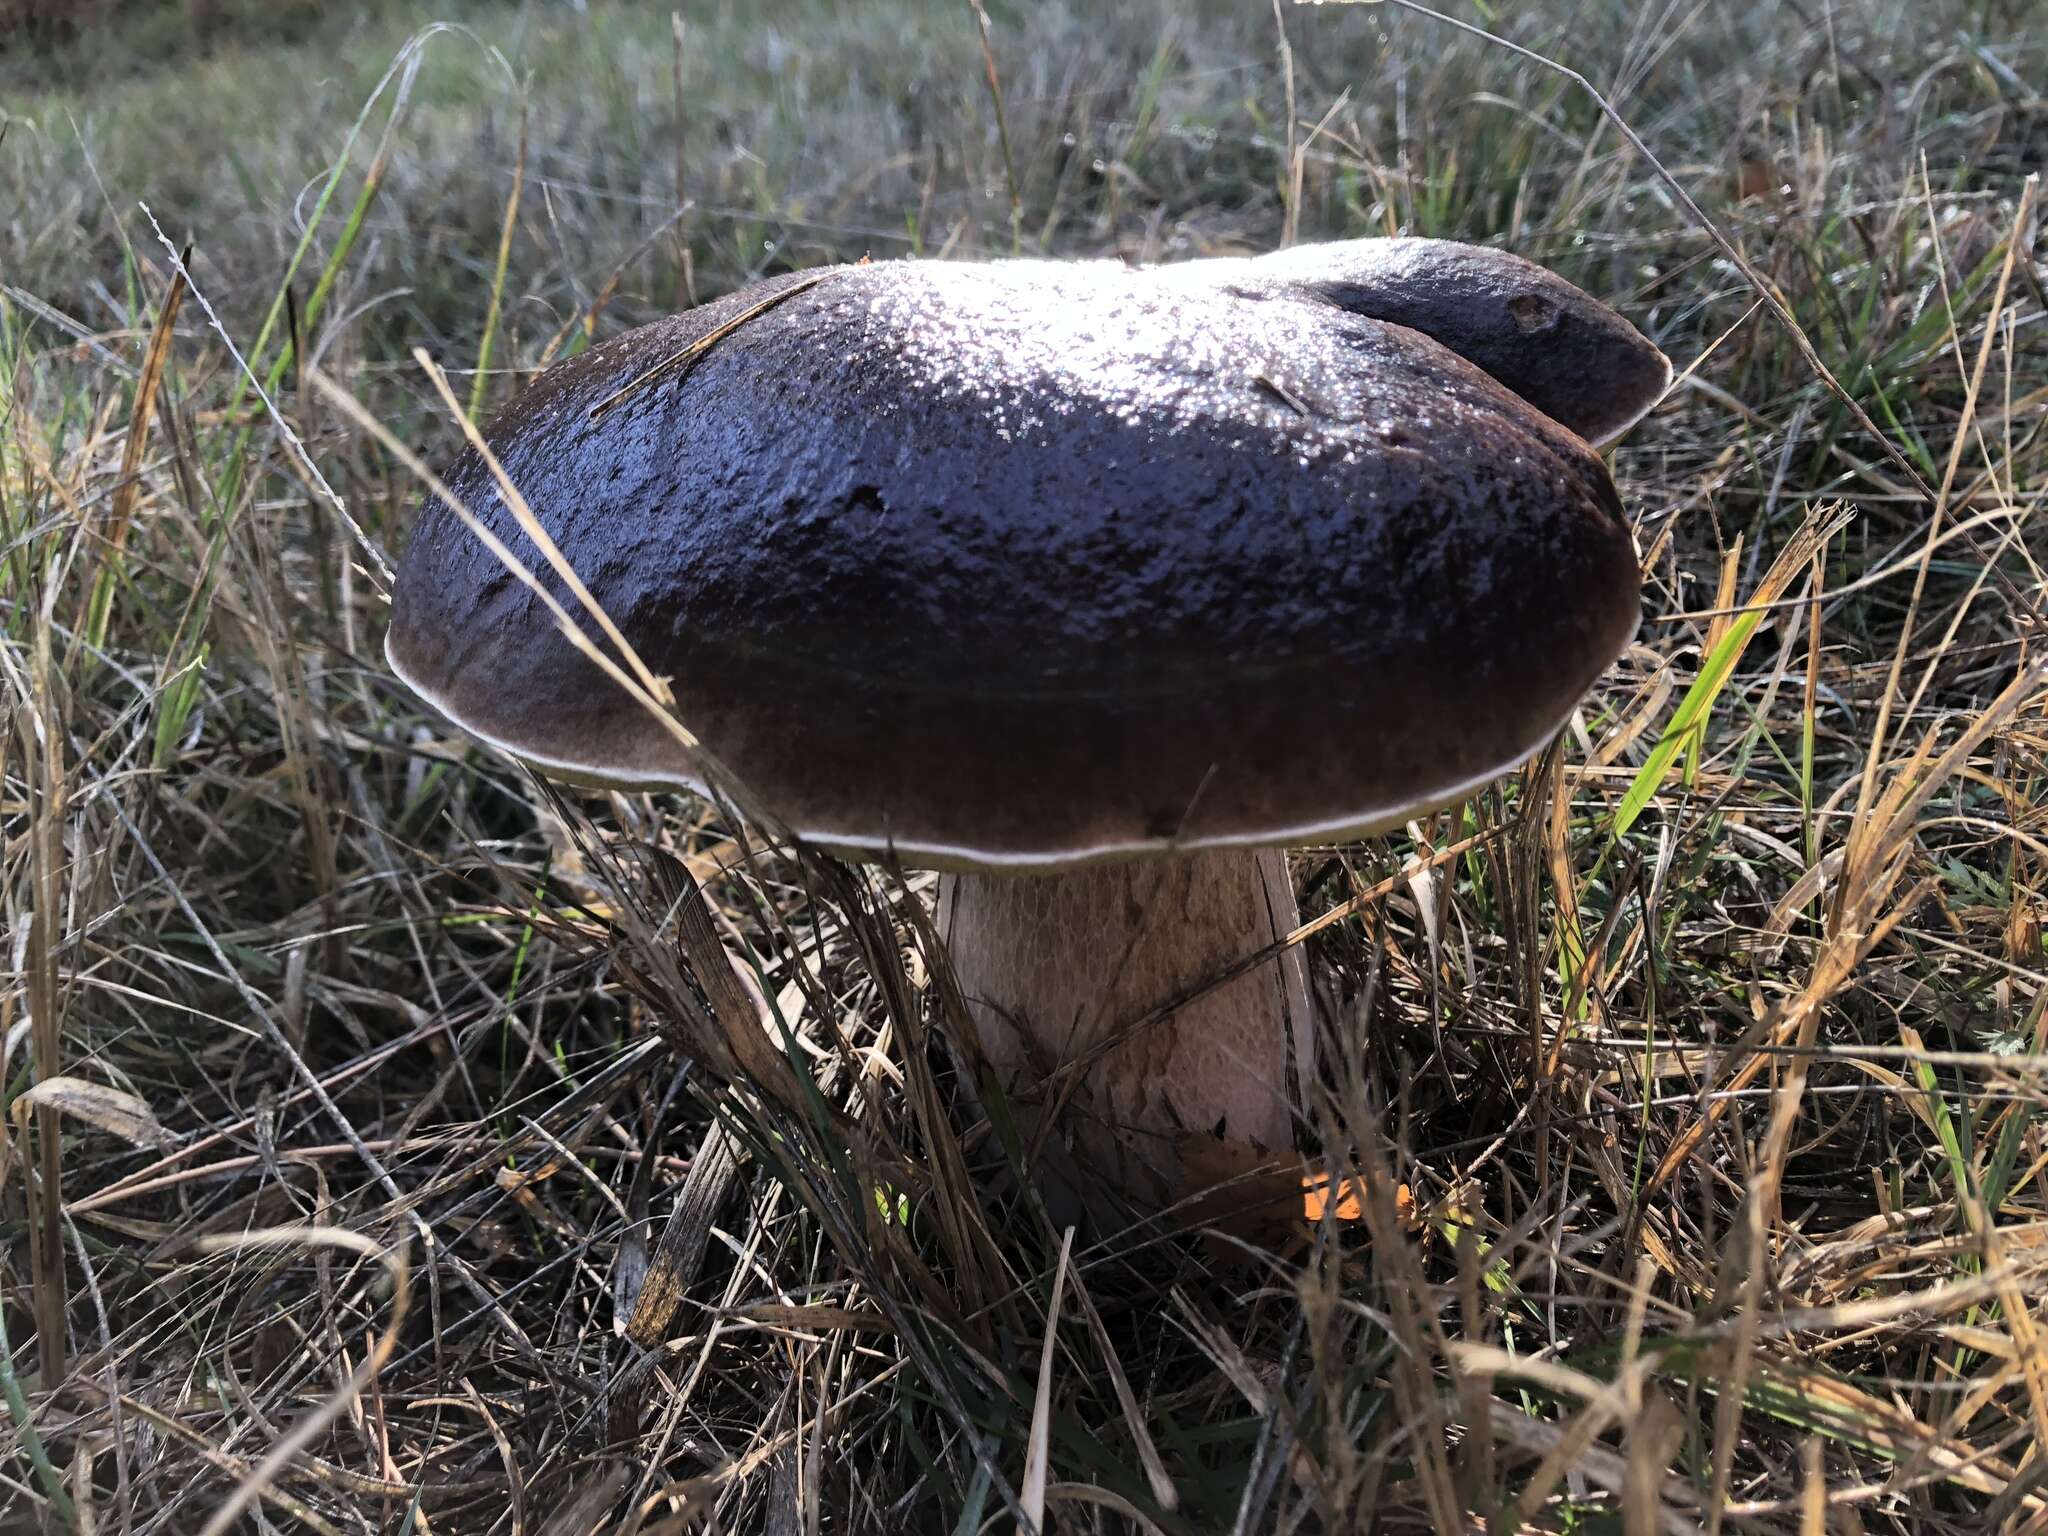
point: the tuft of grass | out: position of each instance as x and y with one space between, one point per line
1681 1128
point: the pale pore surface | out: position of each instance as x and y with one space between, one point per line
1051 965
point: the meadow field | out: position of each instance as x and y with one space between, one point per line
389 1143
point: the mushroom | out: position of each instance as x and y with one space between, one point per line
1093 588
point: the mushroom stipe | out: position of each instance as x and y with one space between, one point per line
1084 584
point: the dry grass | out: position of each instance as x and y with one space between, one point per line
1687 1088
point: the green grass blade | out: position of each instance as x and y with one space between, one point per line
1689 723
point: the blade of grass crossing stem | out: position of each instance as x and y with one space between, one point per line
1031 1494
490 336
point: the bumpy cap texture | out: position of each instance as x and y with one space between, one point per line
1559 348
1028 563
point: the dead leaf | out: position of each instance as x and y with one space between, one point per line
109 1109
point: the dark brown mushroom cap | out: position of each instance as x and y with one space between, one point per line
1559 348
1030 563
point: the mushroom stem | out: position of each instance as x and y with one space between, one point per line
1052 965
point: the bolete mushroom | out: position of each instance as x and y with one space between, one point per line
1093 588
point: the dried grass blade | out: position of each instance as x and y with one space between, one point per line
522 513
122 508
571 630
1163 1491
703 344
1880 731
117 1113
1767 290
491 312
41 735
308 1428
1037 1454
